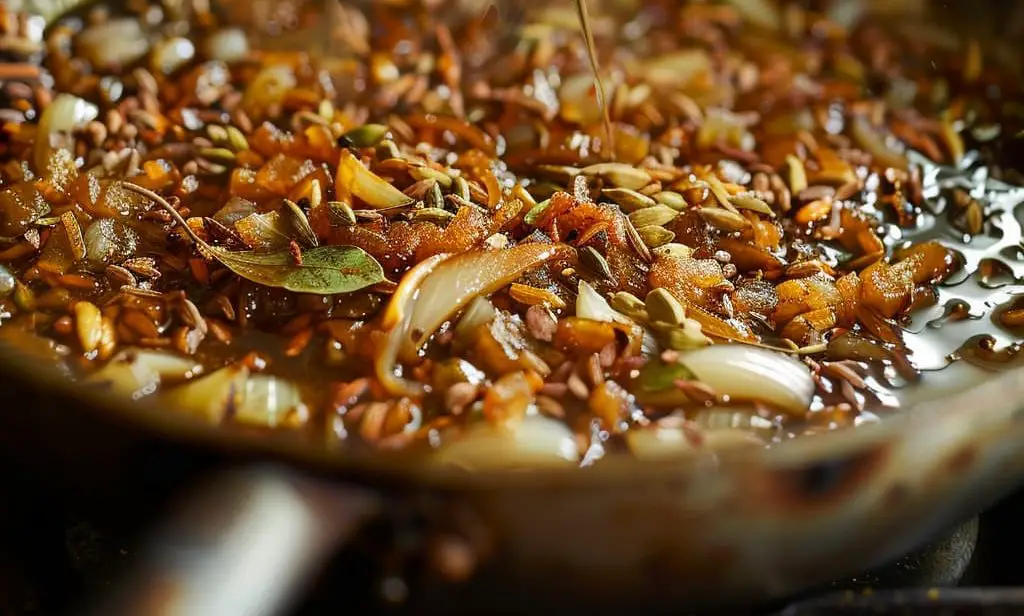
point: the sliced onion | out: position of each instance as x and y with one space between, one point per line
591 305
438 288
534 441
659 443
137 372
733 418
114 43
227 45
748 373
268 401
66 113
479 312
170 55
356 180
211 397
268 88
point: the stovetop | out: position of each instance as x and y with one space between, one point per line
51 557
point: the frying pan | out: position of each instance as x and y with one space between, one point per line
737 528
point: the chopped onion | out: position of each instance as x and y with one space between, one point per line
657 442
227 45
660 443
533 441
170 55
66 113
438 288
268 401
748 373
479 312
355 180
591 305
213 396
138 372
268 88
114 43
733 418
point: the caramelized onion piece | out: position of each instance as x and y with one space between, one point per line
658 443
66 113
137 372
355 180
533 441
438 288
211 397
269 401
747 373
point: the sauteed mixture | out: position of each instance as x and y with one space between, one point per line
428 238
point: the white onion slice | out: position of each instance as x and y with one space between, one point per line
591 305
114 43
658 443
655 442
268 88
137 372
66 113
534 441
268 401
213 396
227 45
749 373
171 54
355 180
479 312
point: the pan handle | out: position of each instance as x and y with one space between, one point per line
245 543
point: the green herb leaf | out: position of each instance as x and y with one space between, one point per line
324 271
657 375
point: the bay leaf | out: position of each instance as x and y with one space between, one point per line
325 270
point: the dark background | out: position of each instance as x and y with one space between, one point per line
53 555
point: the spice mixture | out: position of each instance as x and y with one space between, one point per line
420 233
